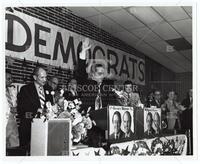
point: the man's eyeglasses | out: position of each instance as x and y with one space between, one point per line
54 83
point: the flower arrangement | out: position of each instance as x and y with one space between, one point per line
69 109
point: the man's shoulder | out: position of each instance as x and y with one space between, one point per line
27 86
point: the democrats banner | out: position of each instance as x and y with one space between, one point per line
36 40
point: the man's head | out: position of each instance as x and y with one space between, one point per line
156 119
157 95
127 121
128 86
171 95
99 72
149 120
150 95
53 83
40 76
72 84
9 80
116 120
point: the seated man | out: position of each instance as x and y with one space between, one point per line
51 87
157 101
116 121
129 97
71 93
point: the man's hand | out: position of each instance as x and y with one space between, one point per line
85 46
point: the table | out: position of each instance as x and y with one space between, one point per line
168 145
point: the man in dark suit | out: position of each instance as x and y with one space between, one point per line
116 121
150 132
127 125
31 100
186 119
157 101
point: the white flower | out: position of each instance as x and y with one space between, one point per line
77 118
88 122
48 105
61 92
47 92
54 108
43 117
71 105
76 101
52 93
65 105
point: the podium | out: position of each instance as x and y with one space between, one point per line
50 138
104 120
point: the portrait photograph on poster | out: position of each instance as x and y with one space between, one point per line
152 122
121 123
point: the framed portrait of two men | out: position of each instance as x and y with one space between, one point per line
120 123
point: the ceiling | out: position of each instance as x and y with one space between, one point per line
161 33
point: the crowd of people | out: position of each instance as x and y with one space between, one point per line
95 94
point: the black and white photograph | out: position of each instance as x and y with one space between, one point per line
74 75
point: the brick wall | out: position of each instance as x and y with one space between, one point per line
64 18
22 70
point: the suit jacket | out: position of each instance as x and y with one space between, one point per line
69 96
154 103
88 95
186 116
152 133
121 134
131 135
28 104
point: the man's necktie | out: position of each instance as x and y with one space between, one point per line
42 97
98 101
